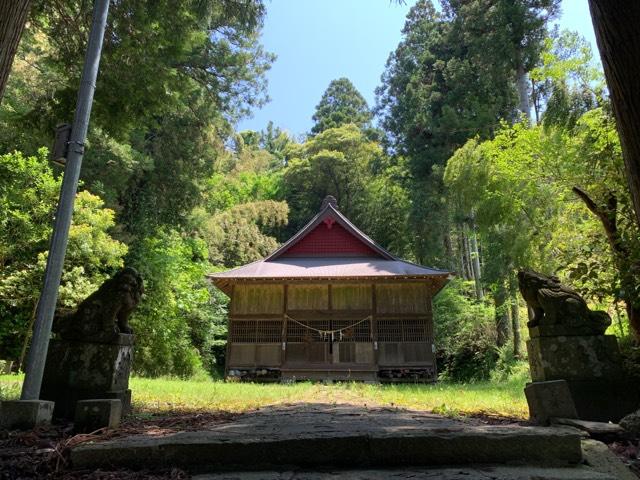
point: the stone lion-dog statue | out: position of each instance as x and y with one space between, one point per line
555 305
105 313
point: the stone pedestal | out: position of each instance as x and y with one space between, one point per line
80 370
591 365
581 357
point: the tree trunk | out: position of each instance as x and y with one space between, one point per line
616 28
502 314
515 318
467 253
607 215
462 255
13 17
475 264
448 248
522 81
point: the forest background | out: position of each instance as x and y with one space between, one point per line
490 148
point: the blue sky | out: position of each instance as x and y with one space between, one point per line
317 41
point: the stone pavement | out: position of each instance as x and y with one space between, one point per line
344 436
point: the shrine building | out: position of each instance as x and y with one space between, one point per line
331 304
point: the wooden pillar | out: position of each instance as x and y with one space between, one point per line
374 325
283 339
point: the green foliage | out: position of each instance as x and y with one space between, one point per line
566 80
194 51
465 334
28 197
336 162
236 236
341 104
174 322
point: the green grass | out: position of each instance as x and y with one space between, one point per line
505 398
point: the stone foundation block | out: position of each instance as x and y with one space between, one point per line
92 415
585 357
25 414
549 400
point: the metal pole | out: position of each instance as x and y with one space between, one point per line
55 261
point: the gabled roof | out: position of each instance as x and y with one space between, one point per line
330 213
329 247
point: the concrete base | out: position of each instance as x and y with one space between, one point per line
92 415
549 400
320 435
25 414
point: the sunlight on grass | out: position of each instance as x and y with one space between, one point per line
167 394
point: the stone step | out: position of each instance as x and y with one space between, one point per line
336 436
451 473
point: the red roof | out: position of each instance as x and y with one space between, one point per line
329 247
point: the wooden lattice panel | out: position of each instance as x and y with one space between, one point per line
255 331
389 330
356 333
404 330
414 330
268 331
298 332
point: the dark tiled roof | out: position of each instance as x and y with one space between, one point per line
332 267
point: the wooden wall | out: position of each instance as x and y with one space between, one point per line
401 324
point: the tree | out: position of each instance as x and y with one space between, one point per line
602 189
174 323
28 198
341 104
566 83
336 162
156 133
241 234
13 17
509 32
615 24
439 88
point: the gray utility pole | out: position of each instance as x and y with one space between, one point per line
53 273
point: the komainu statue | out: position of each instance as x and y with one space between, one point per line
105 313
559 307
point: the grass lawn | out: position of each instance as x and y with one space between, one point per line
165 394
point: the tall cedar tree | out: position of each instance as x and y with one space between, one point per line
435 95
616 25
510 32
13 17
341 103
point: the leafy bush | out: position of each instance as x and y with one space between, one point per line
174 322
465 334
509 368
